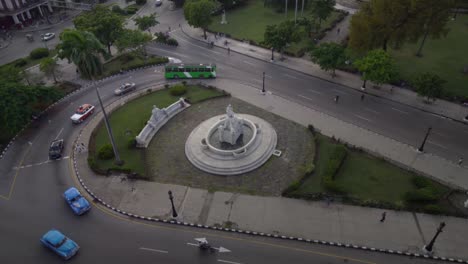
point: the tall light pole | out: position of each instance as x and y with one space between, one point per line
428 247
286 9
118 161
174 213
421 148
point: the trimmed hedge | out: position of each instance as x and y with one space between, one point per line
149 62
117 9
420 182
131 143
162 37
20 62
106 152
177 90
423 195
39 53
334 163
131 9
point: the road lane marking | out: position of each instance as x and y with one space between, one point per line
192 244
313 91
435 144
244 61
180 55
290 76
361 117
439 134
339 91
227 261
154 250
39 163
370 110
398 110
268 76
60 132
305 97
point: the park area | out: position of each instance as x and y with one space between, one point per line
447 57
366 180
250 21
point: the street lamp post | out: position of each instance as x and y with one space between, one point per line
428 247
174 213
421 148
263 84
118 161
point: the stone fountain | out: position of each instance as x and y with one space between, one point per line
231 144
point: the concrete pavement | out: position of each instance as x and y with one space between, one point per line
403 231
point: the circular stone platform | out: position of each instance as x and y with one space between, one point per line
213 160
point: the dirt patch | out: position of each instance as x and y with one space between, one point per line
166 161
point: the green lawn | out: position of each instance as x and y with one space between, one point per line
130 60
445 56
128 121
250 21
364 177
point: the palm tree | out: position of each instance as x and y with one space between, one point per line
49 67
83 49
146 22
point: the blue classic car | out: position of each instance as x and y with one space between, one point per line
60 244
77 202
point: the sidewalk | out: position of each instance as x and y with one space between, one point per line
348 80
402 231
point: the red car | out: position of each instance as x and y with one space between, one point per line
82 113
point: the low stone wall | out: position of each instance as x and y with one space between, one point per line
157 120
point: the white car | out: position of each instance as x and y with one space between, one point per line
125 88
158 2
82 113
174 60
47 36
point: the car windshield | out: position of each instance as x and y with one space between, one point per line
81 110
61 242
56 147
75 199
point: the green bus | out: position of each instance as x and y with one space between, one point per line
188 71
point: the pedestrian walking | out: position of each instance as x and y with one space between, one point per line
337 97
78 148
460 161
338 31
384 214
362 97
229 50
180 26
83 147
169 28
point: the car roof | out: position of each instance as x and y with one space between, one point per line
54 236
71 193
85 105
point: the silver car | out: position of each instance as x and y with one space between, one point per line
125 88
47 36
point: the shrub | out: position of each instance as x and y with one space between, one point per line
20 62
106 152
131 9
177 90
420 182
131 143
172 42
294 186
433 209
423 195
117 9
140 2
126 57
39 53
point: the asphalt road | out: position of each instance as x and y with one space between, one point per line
31 185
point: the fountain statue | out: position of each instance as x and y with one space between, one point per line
231 128
223 18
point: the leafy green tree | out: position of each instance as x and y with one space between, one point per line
322 9
198 13
49 67
10 74
103 23
83 49
329 56
146 22
428 85
377 66
431 21
279 36
131 39
19 101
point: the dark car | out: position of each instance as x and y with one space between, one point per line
55 149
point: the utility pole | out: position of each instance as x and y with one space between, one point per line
286 9
118 161
295 14
302 10
421 148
